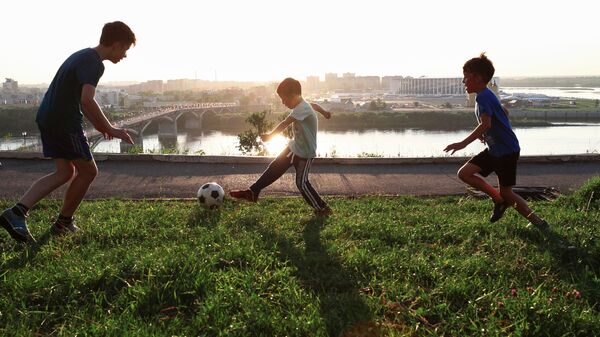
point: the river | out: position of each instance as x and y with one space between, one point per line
553 140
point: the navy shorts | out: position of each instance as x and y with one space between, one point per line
504 166
65 145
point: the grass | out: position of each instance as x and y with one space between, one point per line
397 266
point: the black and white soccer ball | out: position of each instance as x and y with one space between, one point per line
211 195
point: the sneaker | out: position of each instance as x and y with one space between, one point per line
247 195
498 212
58 229
327 211
16 226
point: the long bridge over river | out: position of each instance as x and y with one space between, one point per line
167 119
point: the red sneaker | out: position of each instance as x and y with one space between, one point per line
247 195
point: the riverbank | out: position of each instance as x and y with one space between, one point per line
15 120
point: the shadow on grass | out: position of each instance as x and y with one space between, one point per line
569 254
575 263
29 252
204 217
323 274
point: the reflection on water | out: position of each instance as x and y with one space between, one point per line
19 143
571 139
568 139
574 92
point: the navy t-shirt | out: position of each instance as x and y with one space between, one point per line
61 107
500 138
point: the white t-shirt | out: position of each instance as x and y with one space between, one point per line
304 143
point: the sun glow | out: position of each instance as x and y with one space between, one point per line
276 145
220 40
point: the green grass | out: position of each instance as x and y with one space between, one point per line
398 266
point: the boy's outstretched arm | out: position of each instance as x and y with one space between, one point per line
280 127
92 111
486 123
320 110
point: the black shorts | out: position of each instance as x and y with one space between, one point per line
65 145
504 166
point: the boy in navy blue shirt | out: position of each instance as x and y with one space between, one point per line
60 120
502 152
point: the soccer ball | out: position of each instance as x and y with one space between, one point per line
211 195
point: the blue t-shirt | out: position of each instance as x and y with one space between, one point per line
61 107
500 138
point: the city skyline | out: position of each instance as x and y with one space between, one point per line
266 41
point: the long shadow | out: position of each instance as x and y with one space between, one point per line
341 305
575 263
204 217
29 252
570 255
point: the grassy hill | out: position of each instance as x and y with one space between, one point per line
398 266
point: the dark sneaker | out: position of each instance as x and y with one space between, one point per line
16 226
324 212
58 229
498 212
247 195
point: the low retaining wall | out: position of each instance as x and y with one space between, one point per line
342 161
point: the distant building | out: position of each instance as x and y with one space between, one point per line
110 97
313 83
331 81
386 82
132 101
10 85
425 86
367 83
348 82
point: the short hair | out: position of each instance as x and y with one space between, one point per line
289 87
481 66
116 32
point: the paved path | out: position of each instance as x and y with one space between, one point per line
164 179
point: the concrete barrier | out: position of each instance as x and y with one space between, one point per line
176 158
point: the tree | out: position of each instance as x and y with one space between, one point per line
249 139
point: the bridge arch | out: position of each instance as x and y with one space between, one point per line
156 120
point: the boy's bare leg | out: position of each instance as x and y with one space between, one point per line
45 185
467 173
86 172
519 204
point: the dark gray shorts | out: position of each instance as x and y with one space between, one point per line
65 145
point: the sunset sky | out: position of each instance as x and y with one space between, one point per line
268 40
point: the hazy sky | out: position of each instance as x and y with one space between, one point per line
269 40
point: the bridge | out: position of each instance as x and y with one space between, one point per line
167 118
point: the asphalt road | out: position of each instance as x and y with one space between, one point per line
162 179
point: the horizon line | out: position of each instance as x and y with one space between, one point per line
133 82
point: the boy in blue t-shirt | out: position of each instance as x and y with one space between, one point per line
503 149
60 120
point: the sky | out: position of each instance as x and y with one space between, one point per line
267 40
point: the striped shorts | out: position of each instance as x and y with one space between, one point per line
65 145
